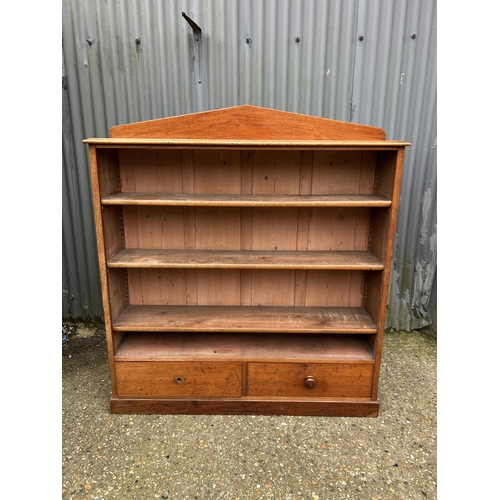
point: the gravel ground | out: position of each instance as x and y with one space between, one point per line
206 457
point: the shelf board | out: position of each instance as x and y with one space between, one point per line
139 318
246 144
244 347
245 259
247 200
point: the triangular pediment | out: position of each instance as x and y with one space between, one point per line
247 122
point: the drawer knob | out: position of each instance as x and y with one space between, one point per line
310 383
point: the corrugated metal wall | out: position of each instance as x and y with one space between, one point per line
370 62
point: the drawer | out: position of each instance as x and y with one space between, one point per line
310 379
178 379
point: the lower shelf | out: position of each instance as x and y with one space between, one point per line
247 319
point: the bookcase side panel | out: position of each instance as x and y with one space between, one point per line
386 174
107 171
118 291
379 232
373 294
104 178
112 225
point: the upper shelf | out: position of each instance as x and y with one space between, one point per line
296 144
237 200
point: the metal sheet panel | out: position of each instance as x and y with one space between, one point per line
132 61
395 88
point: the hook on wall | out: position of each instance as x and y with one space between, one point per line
196 28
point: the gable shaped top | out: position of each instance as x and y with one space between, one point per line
247 122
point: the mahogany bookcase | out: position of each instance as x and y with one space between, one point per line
245 257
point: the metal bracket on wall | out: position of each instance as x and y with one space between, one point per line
197 38
196 28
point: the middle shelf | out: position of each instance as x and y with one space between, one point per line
245 259
246 200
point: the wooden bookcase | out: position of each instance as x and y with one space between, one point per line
245 257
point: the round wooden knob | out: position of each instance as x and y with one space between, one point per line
310 383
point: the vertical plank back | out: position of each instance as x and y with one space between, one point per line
343 172
217 172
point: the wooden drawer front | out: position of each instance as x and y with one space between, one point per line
324 380
172 379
